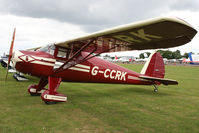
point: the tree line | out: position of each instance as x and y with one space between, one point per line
166 54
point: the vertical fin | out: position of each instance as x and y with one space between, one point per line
154 67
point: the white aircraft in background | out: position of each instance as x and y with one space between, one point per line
193 59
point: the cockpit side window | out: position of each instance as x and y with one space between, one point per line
58 52
62 52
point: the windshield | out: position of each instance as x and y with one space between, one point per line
50 48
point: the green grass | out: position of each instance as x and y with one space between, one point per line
103 107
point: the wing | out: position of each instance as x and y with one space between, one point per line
34 49
161 80
156 33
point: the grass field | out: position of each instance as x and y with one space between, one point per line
103 107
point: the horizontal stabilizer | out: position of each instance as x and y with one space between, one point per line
161 80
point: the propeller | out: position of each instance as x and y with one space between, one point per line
10 52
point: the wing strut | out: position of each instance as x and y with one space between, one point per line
75 55
67 64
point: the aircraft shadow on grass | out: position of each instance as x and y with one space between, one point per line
116 92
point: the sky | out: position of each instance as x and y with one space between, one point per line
40 22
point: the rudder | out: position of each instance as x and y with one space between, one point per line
154 67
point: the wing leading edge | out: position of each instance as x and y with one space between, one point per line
156 33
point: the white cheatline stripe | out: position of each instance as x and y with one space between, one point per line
37 61
79 69
132 77
42 63
57 64
83 66
42 58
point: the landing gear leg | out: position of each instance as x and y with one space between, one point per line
36 90
51 96
156 88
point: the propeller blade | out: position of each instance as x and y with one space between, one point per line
10 52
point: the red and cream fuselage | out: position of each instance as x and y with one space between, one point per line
94 70
53 64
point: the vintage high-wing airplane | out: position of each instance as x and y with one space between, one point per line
75 60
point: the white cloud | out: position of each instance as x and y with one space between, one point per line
182 5
41 22
32 32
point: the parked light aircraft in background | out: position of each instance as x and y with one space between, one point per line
194 58
75 60
18 76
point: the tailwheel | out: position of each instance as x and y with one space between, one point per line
53 97
156 88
